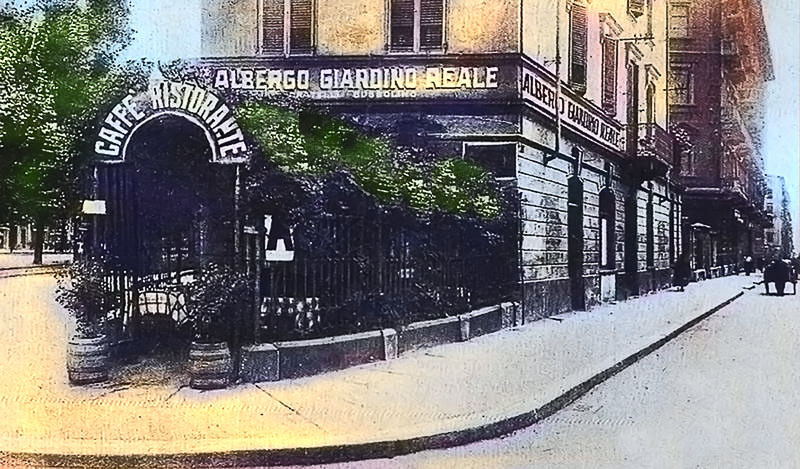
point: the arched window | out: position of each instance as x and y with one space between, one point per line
608 255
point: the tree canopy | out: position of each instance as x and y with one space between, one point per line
58 67
308 143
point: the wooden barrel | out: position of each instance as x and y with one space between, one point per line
87 360
210 365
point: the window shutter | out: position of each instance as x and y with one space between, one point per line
431 19
636 7
402 25
300 30
579 41
273 27
609 76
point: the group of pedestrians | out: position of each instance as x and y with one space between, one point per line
776 271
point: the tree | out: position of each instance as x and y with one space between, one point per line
58 66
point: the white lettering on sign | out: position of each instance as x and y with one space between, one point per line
575 114
369 82
168 96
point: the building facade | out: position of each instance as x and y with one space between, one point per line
778 239
565 100
719 62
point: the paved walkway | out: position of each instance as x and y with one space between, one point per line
452 391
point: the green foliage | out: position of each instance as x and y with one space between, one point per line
216 298
85 292
310 144
57 69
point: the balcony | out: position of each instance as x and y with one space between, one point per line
655 142
652 153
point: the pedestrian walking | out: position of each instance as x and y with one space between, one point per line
681 272
748 265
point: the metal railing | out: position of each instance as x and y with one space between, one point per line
656 142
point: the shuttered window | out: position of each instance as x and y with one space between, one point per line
416 25
298 23
272 23
609 76
430 24
636 7
578 44
402 29
300 31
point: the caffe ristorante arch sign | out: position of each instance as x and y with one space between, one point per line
192 102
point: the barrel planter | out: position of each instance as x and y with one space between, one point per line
87 360
210 365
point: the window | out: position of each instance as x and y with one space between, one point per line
770 208
287 27
636 7
679 20
416 25
687 161
770 237
681 87
578 47
650 103
498 158
609 76
607 229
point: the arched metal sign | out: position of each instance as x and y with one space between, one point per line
192 102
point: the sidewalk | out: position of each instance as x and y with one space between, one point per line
443 396
24 259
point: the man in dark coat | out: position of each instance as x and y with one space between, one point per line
681 272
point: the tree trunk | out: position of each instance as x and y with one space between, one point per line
38 241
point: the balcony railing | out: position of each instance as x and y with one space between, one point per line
655 142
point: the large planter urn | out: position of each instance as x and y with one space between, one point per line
87 359
210 365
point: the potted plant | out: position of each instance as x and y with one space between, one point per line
84 292
216 294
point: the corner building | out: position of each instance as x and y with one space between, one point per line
599 217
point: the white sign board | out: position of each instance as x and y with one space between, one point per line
94 207
278 240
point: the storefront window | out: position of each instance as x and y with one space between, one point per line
498 158
416 25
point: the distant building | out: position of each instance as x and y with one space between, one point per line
719 62
778 239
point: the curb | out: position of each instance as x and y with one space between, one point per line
21 271
374 450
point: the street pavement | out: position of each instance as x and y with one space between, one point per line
444 390
722 395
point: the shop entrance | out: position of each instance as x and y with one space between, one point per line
169 210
